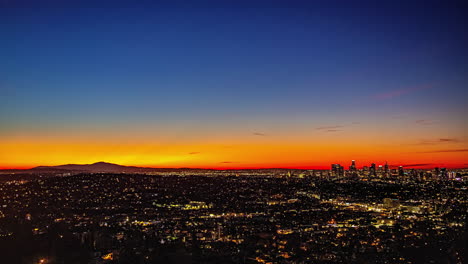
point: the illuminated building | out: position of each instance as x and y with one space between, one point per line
401 172
372 170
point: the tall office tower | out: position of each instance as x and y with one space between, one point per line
353 166
451 175
335 169
341 171
401 172
443 174
372 170
386 168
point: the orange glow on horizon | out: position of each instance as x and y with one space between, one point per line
314 155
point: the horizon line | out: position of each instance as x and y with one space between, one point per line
317 167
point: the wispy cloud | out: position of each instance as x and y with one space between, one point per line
400 92
417 165
227 162
194 153
438 141
448 140
445 151
259 134
329 127
424 122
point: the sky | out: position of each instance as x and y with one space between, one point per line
233 84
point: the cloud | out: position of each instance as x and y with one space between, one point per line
259 134
438 141
400 92
327 128
194 153
330 129
424 122
227 162
448 140
446 151
417 165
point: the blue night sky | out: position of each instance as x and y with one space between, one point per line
253 64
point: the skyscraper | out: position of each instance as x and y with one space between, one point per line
401 172
337 170
372 170
443 174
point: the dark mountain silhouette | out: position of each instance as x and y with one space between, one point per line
105 167
95 167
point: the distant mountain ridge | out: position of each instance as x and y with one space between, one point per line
106 167
96 167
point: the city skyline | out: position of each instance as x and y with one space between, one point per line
233 85
351 166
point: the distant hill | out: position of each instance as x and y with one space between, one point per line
106 167
95 167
